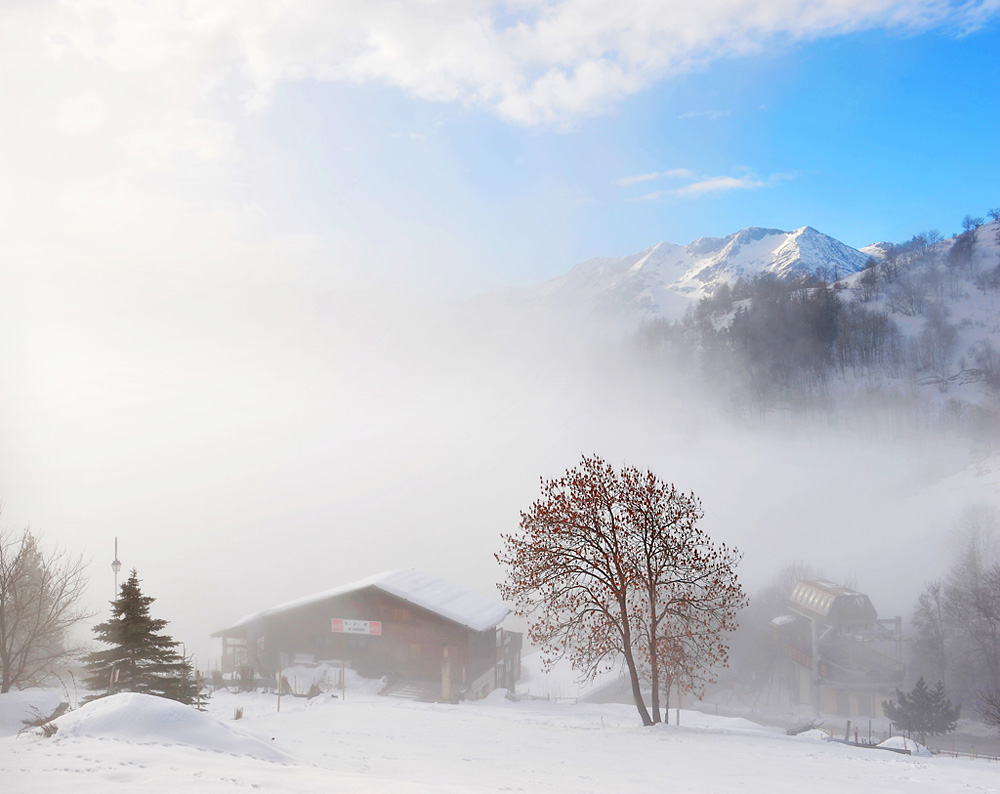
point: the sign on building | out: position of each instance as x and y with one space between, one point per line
348 626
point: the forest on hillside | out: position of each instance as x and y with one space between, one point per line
915 335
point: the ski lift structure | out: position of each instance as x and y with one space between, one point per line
846 658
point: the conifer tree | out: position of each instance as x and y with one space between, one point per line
141 658
923 710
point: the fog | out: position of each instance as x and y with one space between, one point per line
249 442
242 327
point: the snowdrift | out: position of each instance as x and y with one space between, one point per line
901 743
146 719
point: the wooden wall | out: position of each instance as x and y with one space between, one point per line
411 645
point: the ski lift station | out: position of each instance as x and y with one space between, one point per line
846 659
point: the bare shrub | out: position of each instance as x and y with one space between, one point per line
44 724
246 679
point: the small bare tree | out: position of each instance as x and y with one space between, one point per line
988 707
868 286
40 594
908 295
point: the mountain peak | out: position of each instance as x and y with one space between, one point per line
663 279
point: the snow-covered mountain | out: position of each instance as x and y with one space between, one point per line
665 279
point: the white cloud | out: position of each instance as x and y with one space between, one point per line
625 181
557 59
124 123
717 184
706 114
673 173
531 61
700 185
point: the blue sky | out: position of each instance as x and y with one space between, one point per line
869 136
462 145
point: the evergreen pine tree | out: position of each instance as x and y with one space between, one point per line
923 710
141 658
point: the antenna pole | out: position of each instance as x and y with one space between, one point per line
116 566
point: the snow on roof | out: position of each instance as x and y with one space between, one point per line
444 598
436 595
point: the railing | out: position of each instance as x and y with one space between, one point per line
992 759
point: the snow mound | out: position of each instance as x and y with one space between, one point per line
814 734
902 743
16 707
146 719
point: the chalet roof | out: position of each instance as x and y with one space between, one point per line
436 595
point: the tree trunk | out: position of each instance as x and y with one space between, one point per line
6 679
655 679
640 704
633 672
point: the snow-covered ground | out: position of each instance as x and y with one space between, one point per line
366 743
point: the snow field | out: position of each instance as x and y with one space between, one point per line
371 744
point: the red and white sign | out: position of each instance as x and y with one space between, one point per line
348 626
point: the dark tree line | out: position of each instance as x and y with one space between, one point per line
769 343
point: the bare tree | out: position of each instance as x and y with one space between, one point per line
889 265
971 606
611 566
988 707
868 286
971 224
974 609
987 358
931 631
686 596
40 593
908 295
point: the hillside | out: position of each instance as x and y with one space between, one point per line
914 334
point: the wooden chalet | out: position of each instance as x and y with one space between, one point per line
414 629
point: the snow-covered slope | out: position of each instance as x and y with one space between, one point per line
664 279
365 743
